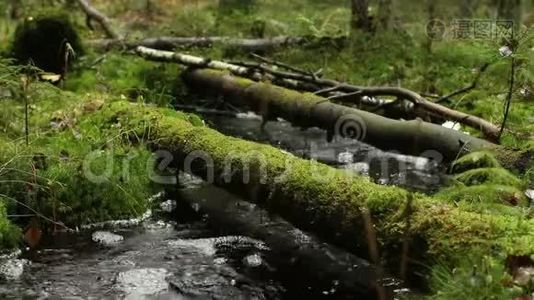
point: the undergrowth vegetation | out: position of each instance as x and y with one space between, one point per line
48 177
477 277
75 169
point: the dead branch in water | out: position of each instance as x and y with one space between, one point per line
307 110
421 106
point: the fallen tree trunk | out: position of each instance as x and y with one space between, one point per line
414 137
171 43
296 254
422 107
321 199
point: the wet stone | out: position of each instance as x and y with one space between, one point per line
345 157
359 167
168 206
138 282
12 269
213 282
106 238
253 261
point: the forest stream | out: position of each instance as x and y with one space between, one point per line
266 149
207 243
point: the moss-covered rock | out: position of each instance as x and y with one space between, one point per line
488 176
41 40
475 160
485 193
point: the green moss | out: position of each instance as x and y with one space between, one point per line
478 276
488 176
475 160
9 234
91 168
321 199
521 160
134 78
486 193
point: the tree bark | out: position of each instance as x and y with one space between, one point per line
308 110
385 13
510 10
468 7
15 9
360 15
315 262
171 43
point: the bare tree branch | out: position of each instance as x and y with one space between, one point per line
466 89
93 13
509 96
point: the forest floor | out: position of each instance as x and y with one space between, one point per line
402 56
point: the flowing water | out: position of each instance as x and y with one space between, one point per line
391 168
215 245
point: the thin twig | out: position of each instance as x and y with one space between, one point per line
34 211
345 96
326 90
508 97
430 95
282 65
473 85
372 244
406 241
206 111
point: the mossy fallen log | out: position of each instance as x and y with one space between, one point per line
307 110
321 199
474 160
488 175
484 194
500 157
295 253
303 80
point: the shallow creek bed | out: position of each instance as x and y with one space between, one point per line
214 245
